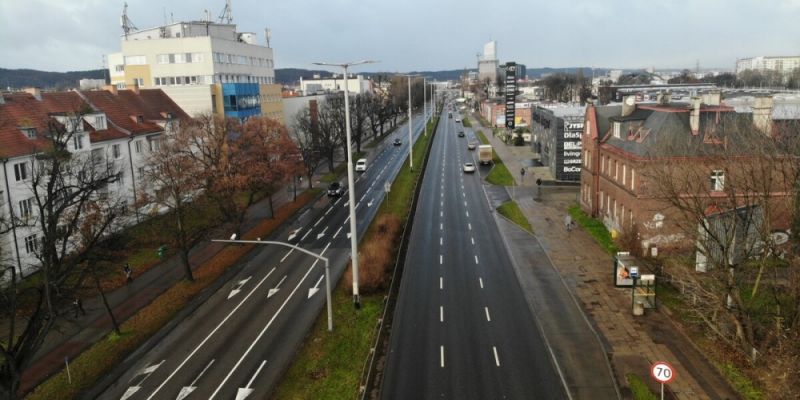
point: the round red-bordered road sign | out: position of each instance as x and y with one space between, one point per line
662 372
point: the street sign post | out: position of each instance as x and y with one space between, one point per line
662 372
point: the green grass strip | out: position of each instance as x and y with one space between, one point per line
595 228
743 385
639 389
511 210
466 123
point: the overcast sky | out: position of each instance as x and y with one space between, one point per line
65 35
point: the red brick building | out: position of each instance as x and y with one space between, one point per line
622 143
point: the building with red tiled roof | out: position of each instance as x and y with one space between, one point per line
623 146
118 127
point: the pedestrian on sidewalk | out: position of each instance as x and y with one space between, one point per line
78 306
568 223
128 273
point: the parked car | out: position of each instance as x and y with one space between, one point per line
397 142
472 145
335 189
469 167
361 165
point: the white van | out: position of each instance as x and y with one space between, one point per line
361 165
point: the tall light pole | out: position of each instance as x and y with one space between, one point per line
410 140
425 105
350 182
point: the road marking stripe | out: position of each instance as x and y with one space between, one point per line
476 259
481 281
441 314
441 283
202 372
441 356
264 330
287 255
210 334
318 221
441 259
441 226
488 318
440 241
473 241
469 226
250 384
441 213
467 214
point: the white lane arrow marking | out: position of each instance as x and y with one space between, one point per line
238 287
321 234
348 235
315 289
187 390
276 288
145 371
264 330
242 393
293 234
369 204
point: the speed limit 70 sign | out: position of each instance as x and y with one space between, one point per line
662 372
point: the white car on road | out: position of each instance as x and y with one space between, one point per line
469 167
361 165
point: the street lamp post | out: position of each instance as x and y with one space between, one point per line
410 140
298 248
350 182
425 105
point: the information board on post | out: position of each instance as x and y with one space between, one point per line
511 93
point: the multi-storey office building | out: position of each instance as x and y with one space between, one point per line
557 132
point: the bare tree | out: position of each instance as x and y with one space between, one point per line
171 181
306 136
65 188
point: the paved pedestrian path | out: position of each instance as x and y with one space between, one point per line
632 343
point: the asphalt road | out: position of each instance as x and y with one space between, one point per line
239 342
462 328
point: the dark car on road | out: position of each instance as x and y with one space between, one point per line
460 133
335 189
397 142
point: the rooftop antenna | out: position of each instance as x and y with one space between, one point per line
127 24
226 16
268 35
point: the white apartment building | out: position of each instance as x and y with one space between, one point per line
782 64
119 132
317 85
202 65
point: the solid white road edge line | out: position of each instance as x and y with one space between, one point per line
210 334
249 349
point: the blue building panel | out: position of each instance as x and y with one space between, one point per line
241 100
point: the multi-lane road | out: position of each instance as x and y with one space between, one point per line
237 344
462 328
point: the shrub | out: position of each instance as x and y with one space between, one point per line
376 255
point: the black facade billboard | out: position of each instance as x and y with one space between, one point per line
511 93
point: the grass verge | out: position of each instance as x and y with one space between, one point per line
511 210
639 389
499 174
466 122
594 227
101 357
740 382
328 365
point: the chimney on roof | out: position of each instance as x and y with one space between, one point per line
762 114
111 88
664 98
35 92
628 105
712 98
694 115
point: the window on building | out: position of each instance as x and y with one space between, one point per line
624 173
29 132
26 208
171 80
633 178
135 60
119 68
617 128
31 244
162 58
21 171
100 122
137 146
717 180
115 151
138 82
603 164
616 171
140 172
155 144
179 58
197 57
601 200
77 142
121 180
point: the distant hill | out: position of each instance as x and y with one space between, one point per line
22 78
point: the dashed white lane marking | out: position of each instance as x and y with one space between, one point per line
465 204
337 232
467 214
441 213
441 356
496 358
441 226
481 282
441 283
440 241
441 203
287 255
473 241
488 318
318 221
476 259
441 314
469 226
441 259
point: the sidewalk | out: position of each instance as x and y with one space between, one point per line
632 343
